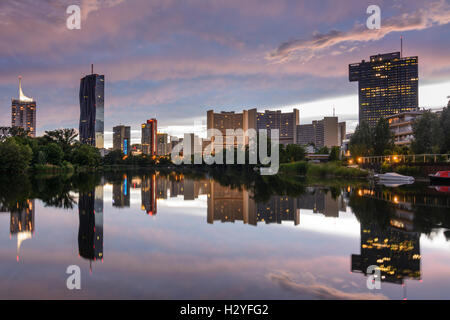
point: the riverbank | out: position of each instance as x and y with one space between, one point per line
322 170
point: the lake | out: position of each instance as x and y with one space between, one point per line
171 235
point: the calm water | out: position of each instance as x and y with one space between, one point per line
174 236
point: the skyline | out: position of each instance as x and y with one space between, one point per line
192 58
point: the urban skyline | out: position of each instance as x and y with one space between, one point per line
298 74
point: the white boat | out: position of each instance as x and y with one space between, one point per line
394 177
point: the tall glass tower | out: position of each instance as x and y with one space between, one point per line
388 84
92 110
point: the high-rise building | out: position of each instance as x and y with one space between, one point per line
122 139
92 110
163 145
121 193
23 112
149 137
286 123
388 84
328 132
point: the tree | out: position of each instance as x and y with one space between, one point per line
14 157
361 140
428 134
383 138
54 154
85 155
292 153
335 154
445 125
323 150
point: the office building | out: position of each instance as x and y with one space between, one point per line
149 137
388 84
286 123
402 126
92 110
163 146
328 132
122 139
23 112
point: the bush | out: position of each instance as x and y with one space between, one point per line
14 157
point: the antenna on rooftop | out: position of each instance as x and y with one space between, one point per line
92 68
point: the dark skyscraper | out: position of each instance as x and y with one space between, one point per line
388 84
23 112
92 110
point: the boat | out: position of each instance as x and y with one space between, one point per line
394 177
440 178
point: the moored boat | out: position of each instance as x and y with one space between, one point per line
440 178
394 177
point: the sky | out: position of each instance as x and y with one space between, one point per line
175 60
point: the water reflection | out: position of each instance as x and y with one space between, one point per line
392 220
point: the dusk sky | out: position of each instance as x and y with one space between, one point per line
177 59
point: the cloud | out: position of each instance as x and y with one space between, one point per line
321 291
436 14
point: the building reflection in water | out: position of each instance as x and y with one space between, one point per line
395 248
22 223
121 193
148 195
90 232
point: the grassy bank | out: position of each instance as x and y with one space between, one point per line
322 170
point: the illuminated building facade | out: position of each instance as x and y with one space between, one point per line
92 110
401 126
122 139
388 84
286 123
150 137
23 112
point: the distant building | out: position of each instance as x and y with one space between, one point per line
122 139
92 110
286 123
388 84
23 112
231 121
402 126
328 132
163 146
149 137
